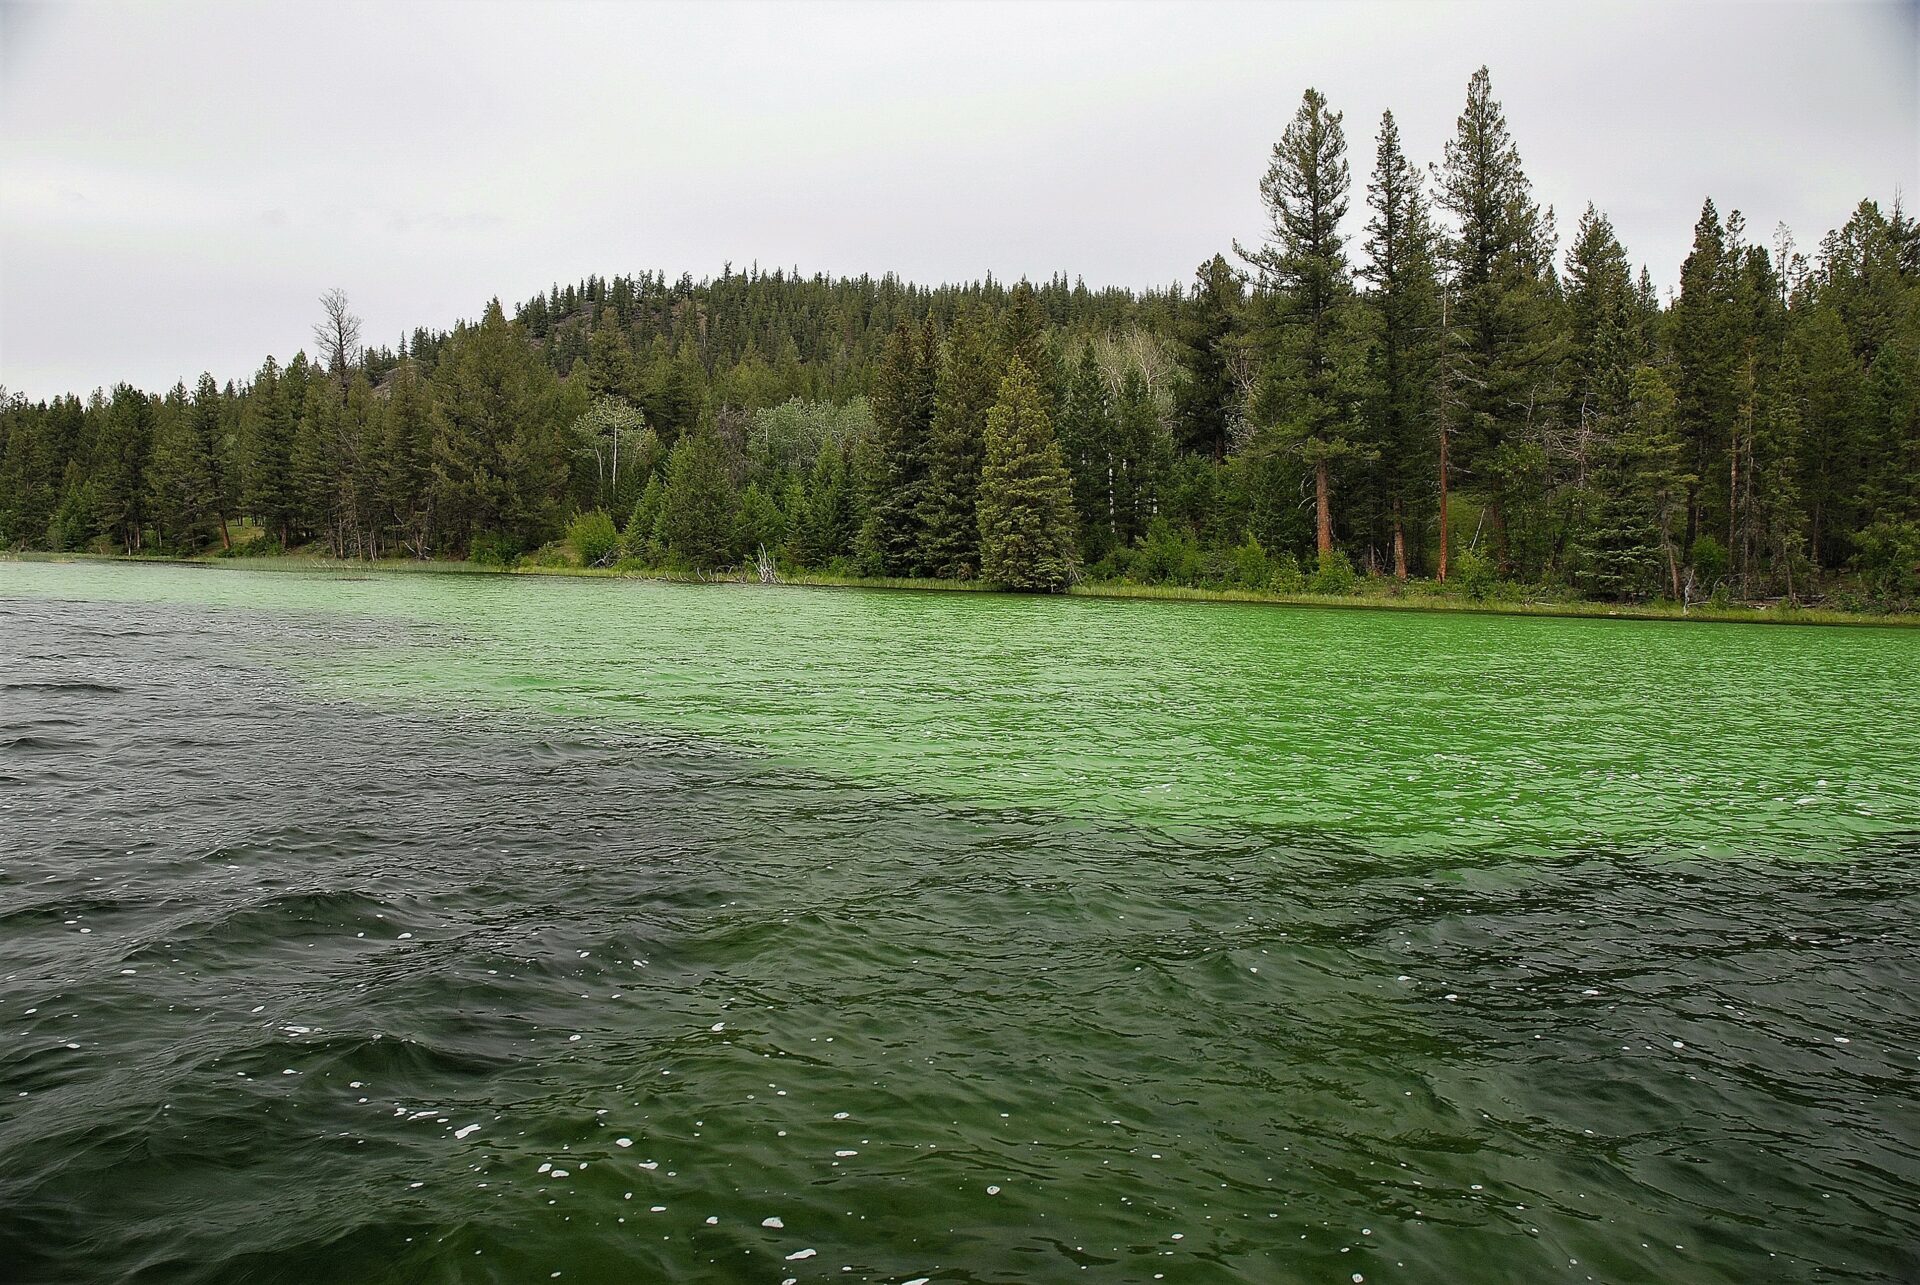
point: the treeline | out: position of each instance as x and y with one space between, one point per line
1450 396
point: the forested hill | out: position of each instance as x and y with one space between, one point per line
1439 386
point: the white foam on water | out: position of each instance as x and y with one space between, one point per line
774 1223
799 1254
465 1130
623 1142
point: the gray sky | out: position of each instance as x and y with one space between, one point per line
178 182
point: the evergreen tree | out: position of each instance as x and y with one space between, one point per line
1026 496
1498 257
118 486
1706 345
406 486
500 462
179 484
1403 356
1305 398
902 396
1207 397
26 491
696 519
1087 437
829 517
962 395
266 431
1141 457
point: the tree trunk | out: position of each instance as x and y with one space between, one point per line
1445 534
1323 511
226 541
1399 545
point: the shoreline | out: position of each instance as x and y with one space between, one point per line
1746 614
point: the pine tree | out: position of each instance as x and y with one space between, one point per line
500 460
266 432
406 487
902 396
696 504
118 491
316 465
1305 398
1501 340
179 485
26 492
962 395
1087 437
1207 397
1141 458
829 517
1026 496
1706 345
1402 360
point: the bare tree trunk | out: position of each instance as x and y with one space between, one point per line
1323 508
1399 545
1446 537
226 541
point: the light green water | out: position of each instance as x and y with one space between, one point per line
1395 731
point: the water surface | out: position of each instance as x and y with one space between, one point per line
430 928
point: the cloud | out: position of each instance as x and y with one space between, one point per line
228 162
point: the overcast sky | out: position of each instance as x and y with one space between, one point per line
179 181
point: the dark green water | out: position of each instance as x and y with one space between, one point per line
431 928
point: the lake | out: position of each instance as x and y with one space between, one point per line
380 927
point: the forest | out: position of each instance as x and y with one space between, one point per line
1451 399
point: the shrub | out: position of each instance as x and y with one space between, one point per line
1334 575
1475 574
1284 575
1889 560
1248 566
495 549
1168 556
593 538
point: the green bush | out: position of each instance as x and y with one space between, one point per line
1284 574
495 549
593 538
1709 561
1475 574
1169 556
1334 575
1249 566
1888 560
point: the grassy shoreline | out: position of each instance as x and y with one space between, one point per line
1362 599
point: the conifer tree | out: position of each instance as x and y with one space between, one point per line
118 488
1207 397
179 485
962 395
1306 395
829 516
696 504
26 492
902 396
1403 356
500 463
1087 437
1498 256
1026 496
1706 343
266 430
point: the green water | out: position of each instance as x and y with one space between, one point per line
433 928
1398 731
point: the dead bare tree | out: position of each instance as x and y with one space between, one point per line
338 336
